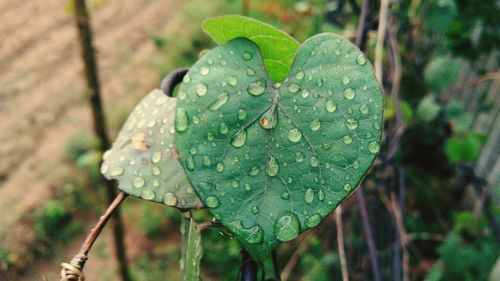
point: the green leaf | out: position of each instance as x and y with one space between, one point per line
277 47
441 73
273 160
428 109
144 159
466 149
192 251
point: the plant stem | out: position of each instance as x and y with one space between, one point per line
379 47
362 29
340 244
367 229
248 267
99 124
72 271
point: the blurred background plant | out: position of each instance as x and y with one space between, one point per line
432 196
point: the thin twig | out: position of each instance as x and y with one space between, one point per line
379 47
367 229
294 259
362 29
402 235
340 244
73 270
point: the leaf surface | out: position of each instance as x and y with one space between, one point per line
144 159
277 47
273 160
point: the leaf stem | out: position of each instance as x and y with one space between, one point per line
72 270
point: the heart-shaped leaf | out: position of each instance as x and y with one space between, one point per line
144 159
273 160
277 47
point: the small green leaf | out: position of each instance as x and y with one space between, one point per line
466 149
428 109
275 159
192 251
277 47
441 73
144 159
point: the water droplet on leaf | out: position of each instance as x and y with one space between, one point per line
294 135
220 101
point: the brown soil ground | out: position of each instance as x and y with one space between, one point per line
42 104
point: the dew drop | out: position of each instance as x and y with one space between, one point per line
361 60
287 227
309 195
233 80
347 187
305 93
196 120
212 201
250 72
321 195
190 163
181 120
373 147
155 171
247 55
242 114
347 139
300 75
148 195
254 171
138 182
239 139
186 78
219 167
330 106
346 80
351 123
220 101
170 199
313 221
376 126
293 88
355 165
248 187
193 150
349 94
207 161
156 157
156 183
255 209
294 135
116 171
223 128
363 108
315 125
235 183
299 157
204 70
314 161
285 195
257 87
201 89
272 167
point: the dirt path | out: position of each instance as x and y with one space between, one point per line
41 88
